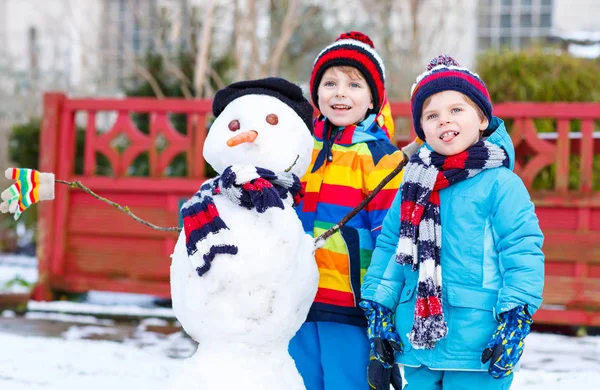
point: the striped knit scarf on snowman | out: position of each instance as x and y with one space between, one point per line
206 234
420 239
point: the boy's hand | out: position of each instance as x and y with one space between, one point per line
31 186
506 345
381 378
384 340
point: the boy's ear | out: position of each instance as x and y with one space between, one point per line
371 105
484 124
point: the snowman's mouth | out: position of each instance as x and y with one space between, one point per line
342 107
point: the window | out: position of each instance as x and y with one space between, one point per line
546 20
485 43
505 41
513 23
505 21
526 20
524 42
485 20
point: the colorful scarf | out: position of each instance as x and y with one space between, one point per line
420 239
248 187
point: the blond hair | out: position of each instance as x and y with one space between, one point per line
469 101
351 72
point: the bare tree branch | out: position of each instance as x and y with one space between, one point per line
184 82
125 209
331 231
288 27
202 57
254 45
216 78
144 73
238 21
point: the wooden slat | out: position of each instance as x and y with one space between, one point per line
118 258
83 284
567 317
65 164
106 221
89 156
557 218
143 185
141 105
587 156
562 156
570 246
49 137
572 291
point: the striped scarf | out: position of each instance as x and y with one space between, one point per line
420 239
206 234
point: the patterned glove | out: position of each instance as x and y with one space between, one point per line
31 186
381 332
381 378
506 346
412 148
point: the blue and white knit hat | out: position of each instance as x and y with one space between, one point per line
443 74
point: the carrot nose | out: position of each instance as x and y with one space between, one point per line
246 136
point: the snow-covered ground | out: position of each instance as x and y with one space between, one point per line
74 362
81 357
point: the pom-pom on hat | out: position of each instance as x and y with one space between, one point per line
443 74
353 49
279 88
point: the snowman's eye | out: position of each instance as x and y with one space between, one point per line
272 119
234 125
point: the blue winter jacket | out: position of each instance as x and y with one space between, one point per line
491 260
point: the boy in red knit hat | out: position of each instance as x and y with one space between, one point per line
353 152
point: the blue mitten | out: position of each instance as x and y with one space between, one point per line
381 332
506 346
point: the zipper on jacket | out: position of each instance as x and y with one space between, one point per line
349 268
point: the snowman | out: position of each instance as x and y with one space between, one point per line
243 274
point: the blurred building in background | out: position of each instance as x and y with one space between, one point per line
93 47
514 24
517 24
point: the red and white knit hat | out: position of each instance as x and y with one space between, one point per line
353 49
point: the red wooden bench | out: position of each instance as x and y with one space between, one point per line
84 244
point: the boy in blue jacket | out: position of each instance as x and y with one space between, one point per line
463 217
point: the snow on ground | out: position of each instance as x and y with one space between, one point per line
98 354
149 360
32 363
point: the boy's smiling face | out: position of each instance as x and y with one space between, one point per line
344 97
451 122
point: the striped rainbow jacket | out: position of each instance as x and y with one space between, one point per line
347 164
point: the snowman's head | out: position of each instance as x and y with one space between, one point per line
265 123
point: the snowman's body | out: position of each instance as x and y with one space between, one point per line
246 308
